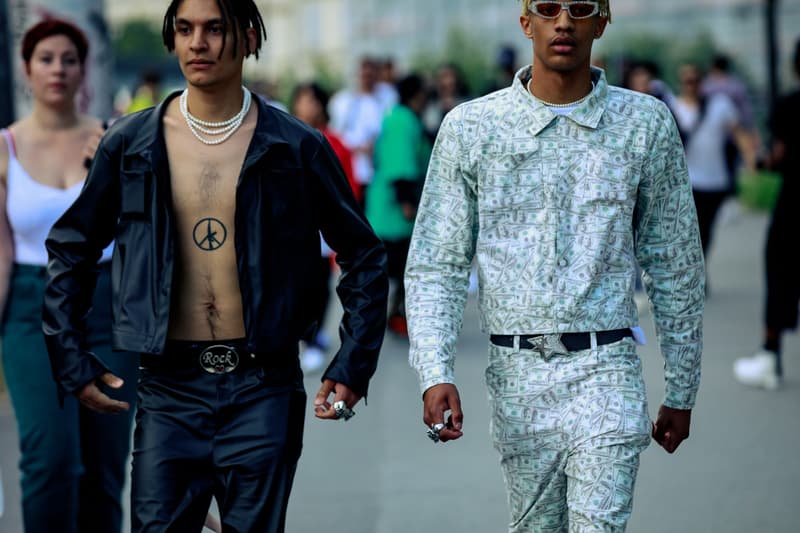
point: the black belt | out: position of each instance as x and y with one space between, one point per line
572 342
216 357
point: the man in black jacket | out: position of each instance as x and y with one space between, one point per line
215 202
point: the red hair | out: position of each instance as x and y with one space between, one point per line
50 27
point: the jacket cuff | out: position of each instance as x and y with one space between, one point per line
680 398
433 375
83 369
341 374
424 386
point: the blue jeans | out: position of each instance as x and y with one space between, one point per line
72 459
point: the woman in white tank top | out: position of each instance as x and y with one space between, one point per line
72 459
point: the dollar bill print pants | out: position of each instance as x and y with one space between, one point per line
569 430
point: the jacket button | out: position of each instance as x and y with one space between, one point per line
252 356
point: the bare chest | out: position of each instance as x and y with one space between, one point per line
203 178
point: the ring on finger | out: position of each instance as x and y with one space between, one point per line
342 411
434 430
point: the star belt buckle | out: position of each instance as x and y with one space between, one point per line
548 345
219 359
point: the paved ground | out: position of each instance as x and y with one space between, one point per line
379 473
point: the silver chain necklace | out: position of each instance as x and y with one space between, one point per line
549 104
221 130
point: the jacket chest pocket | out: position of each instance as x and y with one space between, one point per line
284 197
134 194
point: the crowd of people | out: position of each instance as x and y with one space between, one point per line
133 249
714 113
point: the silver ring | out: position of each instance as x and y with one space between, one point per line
434 430
342 411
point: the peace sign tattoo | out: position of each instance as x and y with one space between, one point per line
210 234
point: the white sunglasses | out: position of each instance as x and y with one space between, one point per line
576 10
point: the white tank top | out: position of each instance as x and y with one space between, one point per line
32 208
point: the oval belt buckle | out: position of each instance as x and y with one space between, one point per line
219 359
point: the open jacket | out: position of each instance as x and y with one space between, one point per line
290 188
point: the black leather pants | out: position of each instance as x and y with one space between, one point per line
234 436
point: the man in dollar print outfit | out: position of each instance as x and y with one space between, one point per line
558 186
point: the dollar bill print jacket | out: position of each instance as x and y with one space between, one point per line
558 211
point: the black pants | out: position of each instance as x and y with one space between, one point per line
73 460
707 205
783 281
397 254
234 436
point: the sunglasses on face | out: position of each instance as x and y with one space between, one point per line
576 10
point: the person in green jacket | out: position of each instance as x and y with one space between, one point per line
401 159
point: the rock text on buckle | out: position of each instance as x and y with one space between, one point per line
219 362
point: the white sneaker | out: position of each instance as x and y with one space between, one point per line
758 370
312 359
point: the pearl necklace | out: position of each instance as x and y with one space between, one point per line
569 104
222 130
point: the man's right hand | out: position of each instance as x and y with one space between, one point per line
437 400
92 397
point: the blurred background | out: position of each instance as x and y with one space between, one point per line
324 39
738 473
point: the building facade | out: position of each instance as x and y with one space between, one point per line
337 32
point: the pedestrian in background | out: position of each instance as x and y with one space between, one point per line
645 77
559 185
401 160
720 80
505 68
356 116
705 123
385 88
309 103
764 368
72 458
148 93
449 90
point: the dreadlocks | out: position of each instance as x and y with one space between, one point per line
237 15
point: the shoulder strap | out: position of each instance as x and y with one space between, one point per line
687 133
701 113
12 149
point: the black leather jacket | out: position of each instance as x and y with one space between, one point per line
291 187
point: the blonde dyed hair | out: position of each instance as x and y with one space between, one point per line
605 9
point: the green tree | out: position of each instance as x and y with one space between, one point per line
667 52
462 49
137 42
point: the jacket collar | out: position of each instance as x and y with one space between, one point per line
587 114
268 131
149 137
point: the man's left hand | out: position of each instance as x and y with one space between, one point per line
672 427
323 408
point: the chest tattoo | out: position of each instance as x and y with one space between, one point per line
210 234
